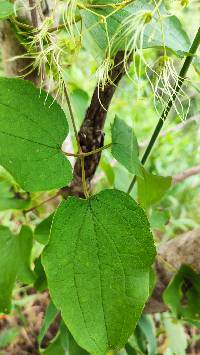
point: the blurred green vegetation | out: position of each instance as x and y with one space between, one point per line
173 153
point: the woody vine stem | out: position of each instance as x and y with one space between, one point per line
167 109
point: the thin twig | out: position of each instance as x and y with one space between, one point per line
72 119
78 144
186 174
87 154
43 202
167 109
34 15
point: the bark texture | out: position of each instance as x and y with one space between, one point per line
91 134
10 48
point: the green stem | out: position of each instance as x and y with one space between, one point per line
106 146
72 119
84 183
92 152
164 115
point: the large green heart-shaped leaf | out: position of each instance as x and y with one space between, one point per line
175 38
32 130
97 264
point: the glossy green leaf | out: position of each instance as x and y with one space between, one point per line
49 317
74 348
32 130
6 9
9 265
175 37
125 146
41 233
97 264
152 188
182 295
25 244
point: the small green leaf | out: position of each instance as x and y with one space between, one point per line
42 230
6 9
125 146
49 317
59 344
54 348
159 219
32 130
25 244
130 350
97 264
41 280
182 295
14 262
9 266
175 331
151 188
8 200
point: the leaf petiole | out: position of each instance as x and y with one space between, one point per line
86 154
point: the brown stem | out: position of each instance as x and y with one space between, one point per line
11 47
186 174
34 14
91 136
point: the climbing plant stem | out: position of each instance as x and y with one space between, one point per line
164 115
